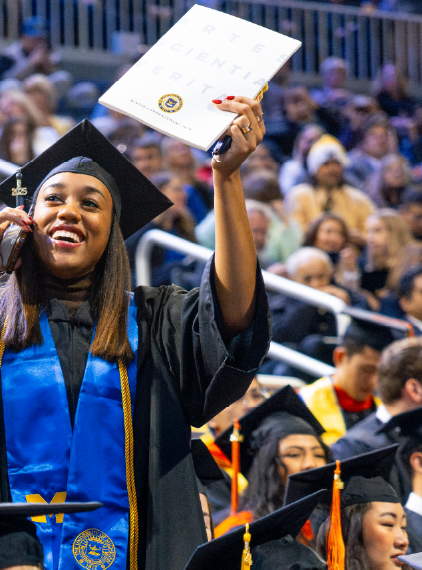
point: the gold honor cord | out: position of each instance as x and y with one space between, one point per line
2 345
130 474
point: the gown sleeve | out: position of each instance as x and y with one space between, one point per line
185 330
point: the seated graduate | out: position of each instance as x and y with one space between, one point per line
266 544
366 514
91 350
399 386
280 437
409 463
342 400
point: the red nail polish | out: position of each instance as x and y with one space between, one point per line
26 226
217 101
230 97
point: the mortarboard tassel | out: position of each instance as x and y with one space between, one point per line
246 554
335 543
235 439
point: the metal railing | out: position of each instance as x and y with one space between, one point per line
366 41
277 351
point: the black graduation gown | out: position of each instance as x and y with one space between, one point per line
186 375
414 531
361 438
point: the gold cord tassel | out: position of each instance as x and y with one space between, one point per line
246 554
2 345
130 474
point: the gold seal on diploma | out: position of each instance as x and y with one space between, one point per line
170 103
94 549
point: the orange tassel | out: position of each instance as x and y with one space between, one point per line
235 439
335 544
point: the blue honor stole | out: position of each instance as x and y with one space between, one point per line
47 462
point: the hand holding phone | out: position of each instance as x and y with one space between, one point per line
11 244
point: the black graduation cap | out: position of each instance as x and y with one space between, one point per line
372 329
414 560
364 476
288 554
284 411
141 201
225 552
19 545
206 469
378 463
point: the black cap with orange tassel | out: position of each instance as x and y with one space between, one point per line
365 479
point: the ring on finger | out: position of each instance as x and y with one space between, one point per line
259 118
246 129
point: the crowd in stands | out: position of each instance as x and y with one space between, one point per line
334 192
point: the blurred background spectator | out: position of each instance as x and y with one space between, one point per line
31 53
327 191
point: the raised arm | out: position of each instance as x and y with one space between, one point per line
235 256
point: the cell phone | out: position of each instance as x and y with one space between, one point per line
222 146
12 243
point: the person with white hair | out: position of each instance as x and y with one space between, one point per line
327 191
313 267
299 325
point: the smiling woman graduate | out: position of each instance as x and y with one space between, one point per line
100 387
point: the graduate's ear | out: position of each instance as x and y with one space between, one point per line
339 355
413 389
416 462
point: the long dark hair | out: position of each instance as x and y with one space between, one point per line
22 300
352 530
265 491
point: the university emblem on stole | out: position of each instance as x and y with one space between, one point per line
94 550
170 103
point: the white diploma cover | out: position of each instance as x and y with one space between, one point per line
206 55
